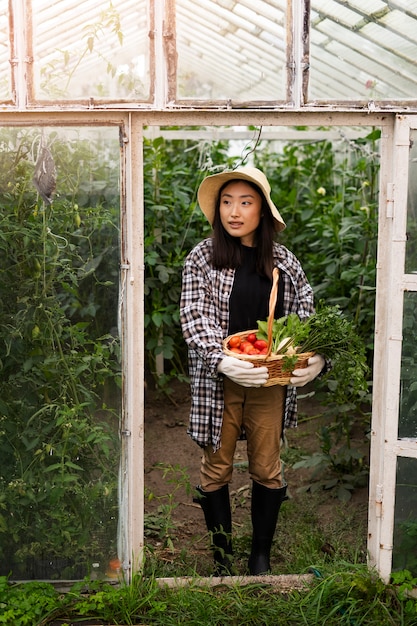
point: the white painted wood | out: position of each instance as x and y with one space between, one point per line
18 62
380 365
281 583
391 283
406 447
132 463
394 345
297 10
160 61
410 282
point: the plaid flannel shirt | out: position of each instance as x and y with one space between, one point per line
204 314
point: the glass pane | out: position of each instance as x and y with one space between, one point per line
59 369
408 390
5 90
101 51
231 50
405 516
362 53
411 245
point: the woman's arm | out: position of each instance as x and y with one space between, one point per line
199 312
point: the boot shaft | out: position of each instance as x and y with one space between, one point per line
265 507
218 517
216 509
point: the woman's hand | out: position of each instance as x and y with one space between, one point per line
243 372
301 377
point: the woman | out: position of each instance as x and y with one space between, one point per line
227 280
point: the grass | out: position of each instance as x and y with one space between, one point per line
331 547
343 590
343 595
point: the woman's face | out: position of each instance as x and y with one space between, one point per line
240 211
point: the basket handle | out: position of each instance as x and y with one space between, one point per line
272 302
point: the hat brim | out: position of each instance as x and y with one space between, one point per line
209 190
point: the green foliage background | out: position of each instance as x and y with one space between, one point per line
59 358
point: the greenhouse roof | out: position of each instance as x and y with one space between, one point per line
163 53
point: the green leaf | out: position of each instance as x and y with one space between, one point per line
53 468
163 274
157 319
73 466
344 495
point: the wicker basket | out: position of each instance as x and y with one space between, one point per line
275 363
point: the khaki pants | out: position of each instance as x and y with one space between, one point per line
260 411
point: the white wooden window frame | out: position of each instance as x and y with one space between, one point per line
131 311
392 283
163 71
132 118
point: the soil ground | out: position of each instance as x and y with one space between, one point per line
172 462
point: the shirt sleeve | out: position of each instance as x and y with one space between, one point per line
199 312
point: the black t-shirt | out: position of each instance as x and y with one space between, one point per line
249 300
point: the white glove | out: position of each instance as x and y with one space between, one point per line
305 375
243 372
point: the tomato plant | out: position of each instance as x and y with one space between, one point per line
60 374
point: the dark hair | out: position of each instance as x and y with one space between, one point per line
227 250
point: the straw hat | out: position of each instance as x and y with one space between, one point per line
209 190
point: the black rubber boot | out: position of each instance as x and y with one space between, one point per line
265 507
218 516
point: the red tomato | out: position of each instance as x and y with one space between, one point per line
234 342
260 344
248 348
264 351
236 350
245 344
251 338
252 351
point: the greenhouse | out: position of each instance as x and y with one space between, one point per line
110 118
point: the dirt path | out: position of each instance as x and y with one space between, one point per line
172 462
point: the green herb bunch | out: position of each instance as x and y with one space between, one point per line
330 334
336 338
327 332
